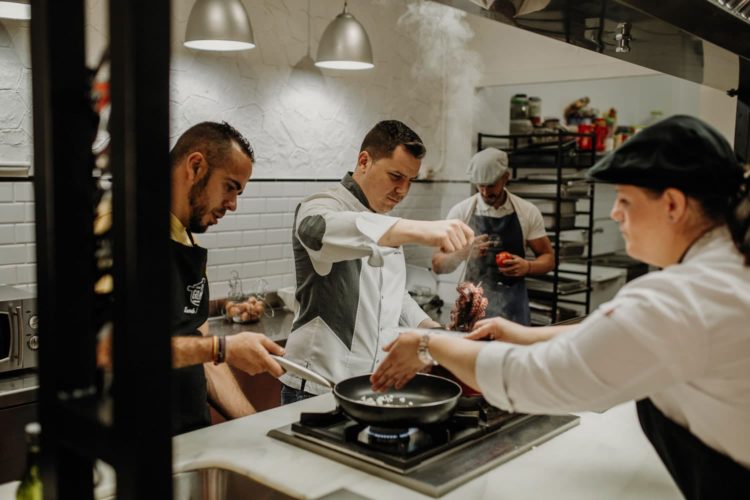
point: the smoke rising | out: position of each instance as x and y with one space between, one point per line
442 35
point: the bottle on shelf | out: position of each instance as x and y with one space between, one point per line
31 482
535 111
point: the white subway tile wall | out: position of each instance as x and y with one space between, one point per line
17 249
256 240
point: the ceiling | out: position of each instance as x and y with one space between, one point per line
698 40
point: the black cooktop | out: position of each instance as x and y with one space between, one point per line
434 459
405 449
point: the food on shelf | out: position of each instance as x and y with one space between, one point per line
244 311
470 307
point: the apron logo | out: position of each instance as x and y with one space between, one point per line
195 292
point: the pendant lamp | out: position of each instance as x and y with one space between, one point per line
344 45
220 25
16 9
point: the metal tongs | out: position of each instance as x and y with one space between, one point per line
471 247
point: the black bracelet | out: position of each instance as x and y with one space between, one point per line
221 355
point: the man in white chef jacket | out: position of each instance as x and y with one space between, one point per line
350 265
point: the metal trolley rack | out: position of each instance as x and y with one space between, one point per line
558 155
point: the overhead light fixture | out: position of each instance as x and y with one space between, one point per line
220 25
16 9
344 45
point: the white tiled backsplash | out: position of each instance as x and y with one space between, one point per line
254 241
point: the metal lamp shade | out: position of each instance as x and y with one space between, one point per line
221 25
344 45
18 9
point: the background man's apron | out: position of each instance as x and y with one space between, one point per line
699 471
189 310
507 295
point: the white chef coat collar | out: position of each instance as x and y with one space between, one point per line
719 232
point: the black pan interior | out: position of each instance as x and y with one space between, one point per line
422 390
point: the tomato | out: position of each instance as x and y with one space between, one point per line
501 258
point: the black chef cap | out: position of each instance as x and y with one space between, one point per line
681 152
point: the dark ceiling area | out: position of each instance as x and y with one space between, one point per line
692 39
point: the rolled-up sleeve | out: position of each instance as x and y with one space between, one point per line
617 354
411 314
331 235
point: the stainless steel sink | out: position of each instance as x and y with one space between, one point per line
218 484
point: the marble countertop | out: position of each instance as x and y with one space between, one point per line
606 456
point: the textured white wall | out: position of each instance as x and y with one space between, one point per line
304 122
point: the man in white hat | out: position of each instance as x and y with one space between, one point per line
507 225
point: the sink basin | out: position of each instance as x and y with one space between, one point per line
216 484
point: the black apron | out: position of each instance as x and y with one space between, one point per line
507 295
699 471
189 310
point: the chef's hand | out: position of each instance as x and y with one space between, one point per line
249 352
480 246
447 235
401 364
515 266
501 329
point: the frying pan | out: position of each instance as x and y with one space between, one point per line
433 399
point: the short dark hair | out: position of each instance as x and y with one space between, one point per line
386 136
213 139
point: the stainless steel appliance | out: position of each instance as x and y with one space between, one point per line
431 459
18 330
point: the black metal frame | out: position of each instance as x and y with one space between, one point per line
131 429
555 158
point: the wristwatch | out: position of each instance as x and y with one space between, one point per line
423 351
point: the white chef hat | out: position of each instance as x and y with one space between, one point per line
487 166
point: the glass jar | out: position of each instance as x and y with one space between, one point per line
519 107
535 110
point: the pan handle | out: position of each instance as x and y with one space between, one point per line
302 372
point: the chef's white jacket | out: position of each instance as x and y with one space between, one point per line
374 297
680 336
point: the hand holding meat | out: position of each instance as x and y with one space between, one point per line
401 364
250 352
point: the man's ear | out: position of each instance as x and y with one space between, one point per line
195 166
363 161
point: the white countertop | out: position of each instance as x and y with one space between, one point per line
606 456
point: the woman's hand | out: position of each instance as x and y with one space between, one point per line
401 364
501 329
507 331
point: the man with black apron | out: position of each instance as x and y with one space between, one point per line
505 223
211 163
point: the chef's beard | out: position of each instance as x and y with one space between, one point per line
491 200
198 209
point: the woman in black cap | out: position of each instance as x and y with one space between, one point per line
676 340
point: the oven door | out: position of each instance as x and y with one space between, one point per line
11 351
